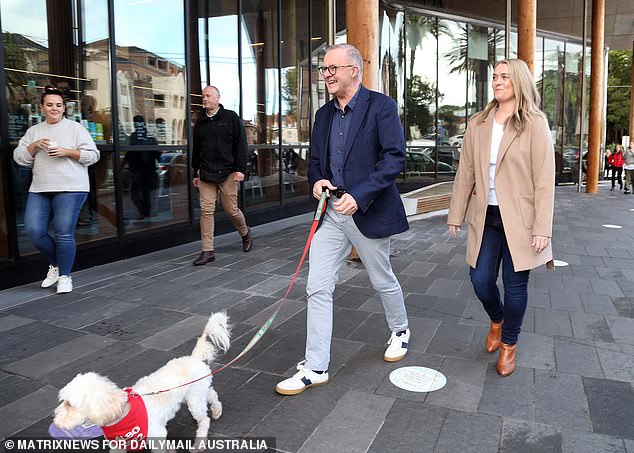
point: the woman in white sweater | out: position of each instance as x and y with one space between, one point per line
59 151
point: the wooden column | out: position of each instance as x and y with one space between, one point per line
596 95
526 32
362 23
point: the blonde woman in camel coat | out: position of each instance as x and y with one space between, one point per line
504 191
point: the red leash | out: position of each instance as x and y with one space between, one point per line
321 207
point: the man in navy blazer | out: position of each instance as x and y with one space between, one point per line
357 152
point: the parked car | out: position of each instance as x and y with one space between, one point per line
447 154
418 161
172 169
456 140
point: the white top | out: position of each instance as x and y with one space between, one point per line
61 174
496 139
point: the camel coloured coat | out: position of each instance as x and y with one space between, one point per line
524 186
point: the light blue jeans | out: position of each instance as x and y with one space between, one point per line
62 209
330 247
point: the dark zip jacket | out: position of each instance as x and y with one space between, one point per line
220 146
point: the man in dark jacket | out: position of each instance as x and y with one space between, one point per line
219 160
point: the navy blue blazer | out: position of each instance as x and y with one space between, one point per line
374 156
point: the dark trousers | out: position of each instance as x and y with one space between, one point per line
616 173
494 251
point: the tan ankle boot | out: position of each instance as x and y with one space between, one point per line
494 336
506 361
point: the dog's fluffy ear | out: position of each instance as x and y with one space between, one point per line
102 401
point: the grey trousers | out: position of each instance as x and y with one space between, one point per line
330 247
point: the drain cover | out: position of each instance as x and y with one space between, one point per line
418 379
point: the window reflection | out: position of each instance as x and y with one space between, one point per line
421 87
4 233
295 89
551 87
261 107
151 69
47 49
155 188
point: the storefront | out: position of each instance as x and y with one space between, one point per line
133 72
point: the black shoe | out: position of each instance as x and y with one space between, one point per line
204 258
247 241
626 191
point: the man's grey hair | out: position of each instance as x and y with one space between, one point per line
353 53
213 88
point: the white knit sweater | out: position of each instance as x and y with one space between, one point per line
61 174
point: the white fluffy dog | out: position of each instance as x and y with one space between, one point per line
93 398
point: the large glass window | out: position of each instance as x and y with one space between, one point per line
551 86
295 83
453 47
261 95
420 50
67 48
151 69
481 53
4 233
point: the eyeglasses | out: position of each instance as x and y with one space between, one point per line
332 69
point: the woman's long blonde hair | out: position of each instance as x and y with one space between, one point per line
527 98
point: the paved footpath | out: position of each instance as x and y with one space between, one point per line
572 391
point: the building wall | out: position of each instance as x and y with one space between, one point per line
264 62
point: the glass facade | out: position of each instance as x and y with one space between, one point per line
133 72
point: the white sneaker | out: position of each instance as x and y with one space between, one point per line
65 284
303 379
51 277
396 346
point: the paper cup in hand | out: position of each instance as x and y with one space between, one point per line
52 146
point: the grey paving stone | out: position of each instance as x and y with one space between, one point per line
577 284
23 294
525 437
175 334
27 410
289 430
193 275
249 307
554 323
220 300
585 442
622 329
598 304
9 322
269 286
34 344
16 387
288 309
611 405
469 432
629 445
435 307
409 427
445 287
277 356
535 351
452 339
84 312
577 357
57 356
98 361
127 372
352 424
512 396
617 361
150 322
591 327
607 287
538 298
465 382
565 300
418 269
244 408
416 284
560 401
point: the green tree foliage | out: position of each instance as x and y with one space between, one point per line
619 94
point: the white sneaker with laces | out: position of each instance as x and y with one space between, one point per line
396 346
51 277
303 379
64 284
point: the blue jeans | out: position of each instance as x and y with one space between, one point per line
62 208
493 251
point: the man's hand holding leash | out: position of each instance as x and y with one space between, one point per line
346 204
